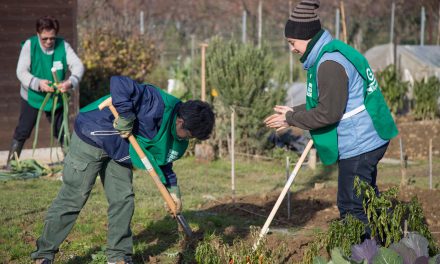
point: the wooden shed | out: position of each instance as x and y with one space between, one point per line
17 23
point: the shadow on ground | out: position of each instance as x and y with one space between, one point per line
223 217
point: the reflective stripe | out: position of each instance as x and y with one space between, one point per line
124 158
104 133
353 112
147 164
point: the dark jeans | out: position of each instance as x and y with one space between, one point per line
364 166
28 118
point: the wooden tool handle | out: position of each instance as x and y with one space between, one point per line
163 190
283 193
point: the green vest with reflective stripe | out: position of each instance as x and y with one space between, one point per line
165 146
326 139
41 65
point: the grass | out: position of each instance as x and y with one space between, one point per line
24 203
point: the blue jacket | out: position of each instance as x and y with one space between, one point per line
130 99
356 134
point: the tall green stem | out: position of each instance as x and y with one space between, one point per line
37 125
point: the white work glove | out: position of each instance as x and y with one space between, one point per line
175 194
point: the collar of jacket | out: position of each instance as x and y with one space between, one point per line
314 49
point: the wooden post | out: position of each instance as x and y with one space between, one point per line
393 8
260 22
288 192
193 87
430 164
422 27
337 23
344 25
233 154
403 179
438 29
243 27
141 22
203 46
290 54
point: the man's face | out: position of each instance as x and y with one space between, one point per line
298 45
181 132
47 38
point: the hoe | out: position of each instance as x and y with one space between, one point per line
163 191
292 176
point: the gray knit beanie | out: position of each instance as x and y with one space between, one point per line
303 22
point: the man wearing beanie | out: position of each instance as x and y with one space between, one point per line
345 111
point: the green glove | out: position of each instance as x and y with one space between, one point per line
175 194
124 125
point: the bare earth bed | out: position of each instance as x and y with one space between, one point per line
312 210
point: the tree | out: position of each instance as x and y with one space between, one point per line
241 75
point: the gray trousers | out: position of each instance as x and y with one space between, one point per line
81 166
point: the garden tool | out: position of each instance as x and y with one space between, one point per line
286 188
163 191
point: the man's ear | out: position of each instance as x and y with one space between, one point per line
179 121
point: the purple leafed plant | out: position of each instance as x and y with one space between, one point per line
367 250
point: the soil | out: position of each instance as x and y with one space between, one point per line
311 210
415 137
314 209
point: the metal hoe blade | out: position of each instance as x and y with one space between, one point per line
184 225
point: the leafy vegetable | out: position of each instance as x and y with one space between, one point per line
418 243
365 251
387 256
408 254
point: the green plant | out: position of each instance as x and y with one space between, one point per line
417 223
27 169
386 217
281 154
342 234
64 130
393 89
158 76
426 94
240 74
183 74
378 210
213 250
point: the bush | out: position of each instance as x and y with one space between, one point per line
426 94
105 55
393 89
240 74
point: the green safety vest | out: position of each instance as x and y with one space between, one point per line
326 139
41 65
165 147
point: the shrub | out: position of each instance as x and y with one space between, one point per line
393 89
240 74
106 54
426 94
